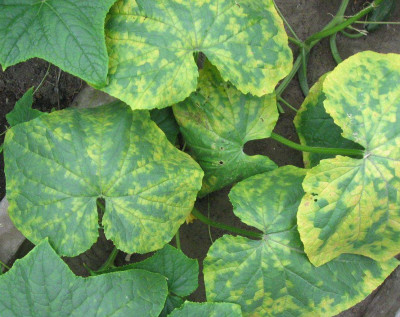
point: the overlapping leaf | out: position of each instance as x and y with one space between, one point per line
58 165
165 120
273 276
68 33
352 205
41 284
23 111
216 122
181 272
207 310
316 128
151 46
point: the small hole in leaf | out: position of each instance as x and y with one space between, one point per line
315 200
221 163
221 148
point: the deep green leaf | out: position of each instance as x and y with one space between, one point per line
182 274
190 309
23 111
216 122
357 209
58 165
41 284
68 33
151 45
165 120
316 128
273 276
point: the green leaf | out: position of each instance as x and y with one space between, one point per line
351 205
216 122
190 309
41 284
273 276
58 165
316 128
23 111
151 46
68 34
181 272
165 120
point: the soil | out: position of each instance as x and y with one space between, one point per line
306 17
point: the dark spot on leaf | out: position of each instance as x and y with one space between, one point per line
221 148
315 200
262 119
221 163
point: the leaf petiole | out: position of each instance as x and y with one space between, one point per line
215 224
312 149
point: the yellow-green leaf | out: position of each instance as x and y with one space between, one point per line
273 276
352 205
316 128
151 45
190 309
216 122
58 165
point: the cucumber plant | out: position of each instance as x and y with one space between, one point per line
323 236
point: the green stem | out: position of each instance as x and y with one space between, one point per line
287 23
210 222
334 49
110 260
341 26
320 150
178 240
6 266
283 85
352 36
280 99
376 22
295 41
303 73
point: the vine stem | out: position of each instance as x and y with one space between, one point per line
5 266
320 150
215 224
337 24
110 260
331 30
178 240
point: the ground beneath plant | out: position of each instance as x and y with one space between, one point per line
306 17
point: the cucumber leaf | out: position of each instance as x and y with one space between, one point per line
181 272
273 276
316 128
58 165
165 120
216 122
68 34
23 111
207 310
351 205
151 46
41 284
